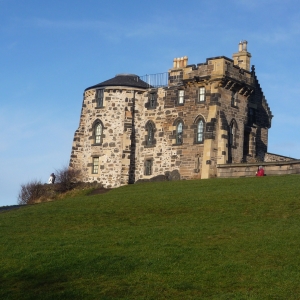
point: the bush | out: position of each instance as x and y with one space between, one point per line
66 179
31 192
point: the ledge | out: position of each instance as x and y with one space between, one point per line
276 163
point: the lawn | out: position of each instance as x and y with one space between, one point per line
205 239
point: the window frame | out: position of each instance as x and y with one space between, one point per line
232 133
100 100
234 98
148 167
201 94
95 165
198 132
179 134
152 100
180 98
251 116
150 128
98 135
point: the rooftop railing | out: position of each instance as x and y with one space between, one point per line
156 80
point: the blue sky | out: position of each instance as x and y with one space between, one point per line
51 51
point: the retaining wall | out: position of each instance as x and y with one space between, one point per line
248 170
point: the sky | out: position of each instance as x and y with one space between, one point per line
51 51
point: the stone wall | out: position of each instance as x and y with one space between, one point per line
271 157
248 170
115 115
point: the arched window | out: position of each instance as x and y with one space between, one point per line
200 131
179 131
98 133
150 134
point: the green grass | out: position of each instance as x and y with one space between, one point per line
206 239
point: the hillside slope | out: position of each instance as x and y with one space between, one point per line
206 239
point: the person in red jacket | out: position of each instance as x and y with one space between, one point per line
260 171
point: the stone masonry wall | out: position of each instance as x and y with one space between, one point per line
113 115
271 157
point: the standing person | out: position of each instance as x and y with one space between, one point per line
51 179
260 171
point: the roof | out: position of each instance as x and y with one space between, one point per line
129 80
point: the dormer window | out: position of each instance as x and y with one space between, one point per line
99 97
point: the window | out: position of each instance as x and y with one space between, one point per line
232 132
180 96
148 167
234 97
179 130
98 133
150 134
152 100
251 116
99 98
95 165
200 129
201 96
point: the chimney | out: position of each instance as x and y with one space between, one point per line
242 57
180 62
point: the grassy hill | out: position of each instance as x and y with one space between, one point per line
207 239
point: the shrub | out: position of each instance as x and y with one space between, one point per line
31 192
66 179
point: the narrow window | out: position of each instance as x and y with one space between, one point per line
180 96
99 98
150 134
201 96
148 167
152 100
95 165
98 133
179 130
232 134
251 116
200 131
234 97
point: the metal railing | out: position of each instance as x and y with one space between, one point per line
156 80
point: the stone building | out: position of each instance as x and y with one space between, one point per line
134 128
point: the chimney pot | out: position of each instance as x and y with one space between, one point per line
240 46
